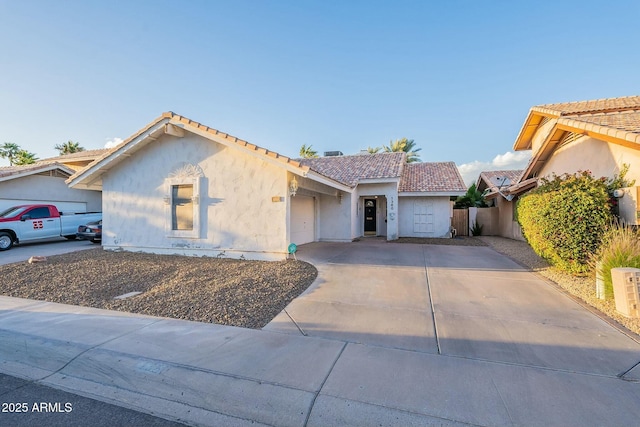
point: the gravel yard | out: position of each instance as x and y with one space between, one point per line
223 291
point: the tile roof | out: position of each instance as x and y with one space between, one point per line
349 170
7 171
591 106
80 155
183 122
628 121
431 177
495 178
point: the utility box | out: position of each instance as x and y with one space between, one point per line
628 205
626 290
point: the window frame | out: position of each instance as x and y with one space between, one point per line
194 233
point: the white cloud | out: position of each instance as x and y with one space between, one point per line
507 161
112 142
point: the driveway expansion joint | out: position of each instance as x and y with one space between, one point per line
433 309
295 323
313 402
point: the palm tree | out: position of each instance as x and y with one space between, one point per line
9 151
373 150
406 145
308 152
23 157
472 198
69 147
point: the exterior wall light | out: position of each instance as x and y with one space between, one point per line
293 186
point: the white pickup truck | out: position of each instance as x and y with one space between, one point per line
33 222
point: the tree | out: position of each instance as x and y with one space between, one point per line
69 147
373 150
406 145
9 151
308 152
24 157
472 198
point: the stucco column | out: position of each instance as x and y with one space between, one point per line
392 216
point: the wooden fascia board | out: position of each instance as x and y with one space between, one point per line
601 136
531 123
548 146
529 128
114 157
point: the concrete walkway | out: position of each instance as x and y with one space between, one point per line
389 334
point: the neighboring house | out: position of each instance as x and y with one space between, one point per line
179 187
599 135
78 160
494 181
44 182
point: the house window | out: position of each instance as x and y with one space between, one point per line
182 199
182 207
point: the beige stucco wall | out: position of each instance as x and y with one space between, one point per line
489 219
47 189
600 157
507 225
237 214
441 216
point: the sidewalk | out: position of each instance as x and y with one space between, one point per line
389 334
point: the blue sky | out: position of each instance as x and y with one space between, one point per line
458 77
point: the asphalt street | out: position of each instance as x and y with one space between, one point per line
25 403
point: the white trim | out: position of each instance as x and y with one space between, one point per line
327 181
431 193
378 180
124 151
195 231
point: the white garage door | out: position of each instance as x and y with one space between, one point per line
423 217
302 219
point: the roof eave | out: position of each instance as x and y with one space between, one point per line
36 170
525 136
90 175
315 176
453 193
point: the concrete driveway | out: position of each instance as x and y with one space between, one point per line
47 247
389 334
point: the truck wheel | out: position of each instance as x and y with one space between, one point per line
6 241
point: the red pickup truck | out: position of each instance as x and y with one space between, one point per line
26 223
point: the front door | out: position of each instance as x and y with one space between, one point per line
370 217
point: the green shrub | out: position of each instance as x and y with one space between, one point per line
476 229
620 248
565 219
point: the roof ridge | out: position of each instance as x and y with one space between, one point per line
617 104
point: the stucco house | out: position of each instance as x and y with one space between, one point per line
598 135
44 182
177 186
